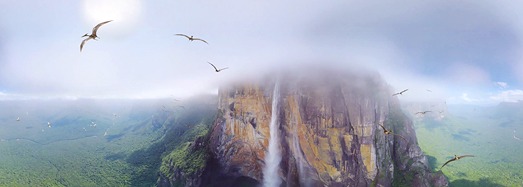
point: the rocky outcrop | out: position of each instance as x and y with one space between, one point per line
329 132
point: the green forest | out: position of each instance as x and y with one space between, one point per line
118 143
485 132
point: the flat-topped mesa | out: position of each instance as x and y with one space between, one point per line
328 133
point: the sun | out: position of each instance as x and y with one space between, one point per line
126 12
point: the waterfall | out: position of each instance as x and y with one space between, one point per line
298 156
271 176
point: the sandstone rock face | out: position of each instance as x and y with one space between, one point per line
329 132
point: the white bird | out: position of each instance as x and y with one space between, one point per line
18 119
191 38
49 124
515 135
93 34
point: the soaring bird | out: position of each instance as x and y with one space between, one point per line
191 38
456 157
387 132
93 34
18 119
216 69
515 135
49 124
424 112
400 93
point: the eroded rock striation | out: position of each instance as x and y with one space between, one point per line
329 133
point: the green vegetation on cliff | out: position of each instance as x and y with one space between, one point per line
188 153
184 158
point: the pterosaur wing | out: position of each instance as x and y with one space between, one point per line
95 29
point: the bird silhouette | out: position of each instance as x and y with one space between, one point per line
191 38
93 34
400 93
387 132
456 157
216 69
424 112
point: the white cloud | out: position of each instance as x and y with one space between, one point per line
465 97
502 85
508 96
467 74
418 45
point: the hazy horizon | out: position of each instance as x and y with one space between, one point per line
463 52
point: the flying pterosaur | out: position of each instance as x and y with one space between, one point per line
387 132
93 34
424 112
456 157
191 38
216 69
400 93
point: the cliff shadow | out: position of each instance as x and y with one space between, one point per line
507 124
432 124
469 183
432 162
184 128
460 137
149 161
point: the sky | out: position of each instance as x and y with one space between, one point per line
462 51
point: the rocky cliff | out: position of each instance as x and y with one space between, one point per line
328 133
328 128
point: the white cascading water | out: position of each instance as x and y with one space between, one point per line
271 176
298 156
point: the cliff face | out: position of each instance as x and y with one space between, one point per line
328 129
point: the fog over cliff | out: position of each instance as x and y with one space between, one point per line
328 132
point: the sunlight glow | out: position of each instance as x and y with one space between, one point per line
126 12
